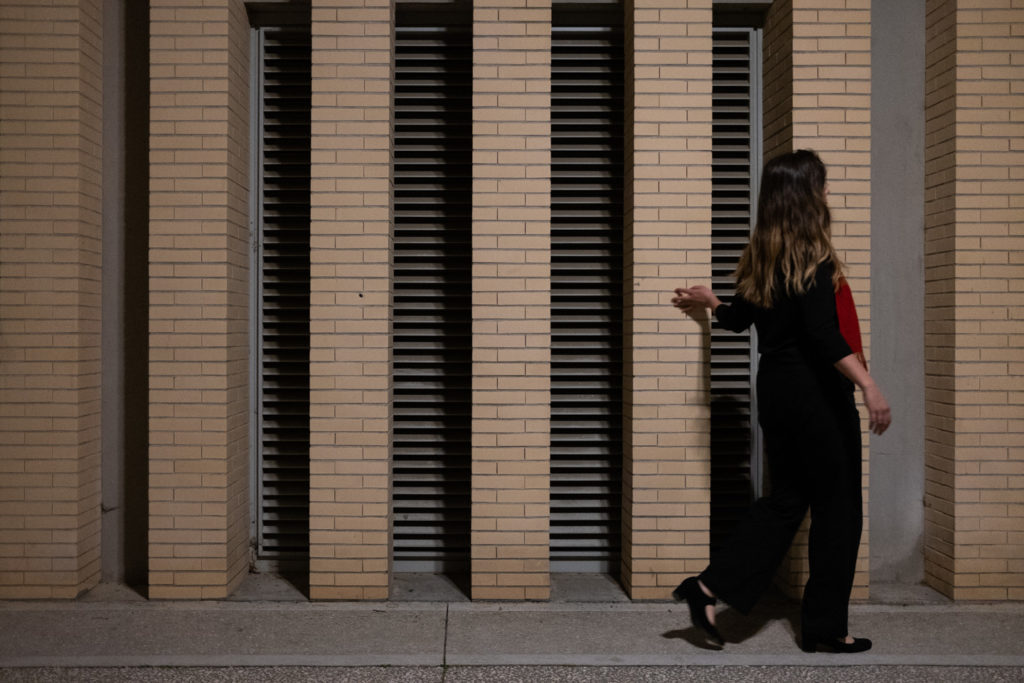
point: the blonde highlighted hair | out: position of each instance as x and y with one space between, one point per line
792 235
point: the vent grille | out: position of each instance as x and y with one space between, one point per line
587 90
432 342
735 156
282 282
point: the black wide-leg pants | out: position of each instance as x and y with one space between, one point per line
813 450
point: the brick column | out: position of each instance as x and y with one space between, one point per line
350 300
666 473
825 46
511 298
50 151
199 298
974 337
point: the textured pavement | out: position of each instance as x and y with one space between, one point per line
121 637
527 674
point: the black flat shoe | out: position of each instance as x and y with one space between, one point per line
689 590
838 645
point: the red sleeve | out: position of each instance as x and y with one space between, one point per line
849 326
819 319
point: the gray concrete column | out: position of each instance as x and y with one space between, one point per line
897 288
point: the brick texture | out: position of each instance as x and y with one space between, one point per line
199 289
826 47
511 299
666 473
350 300
50 157
974 279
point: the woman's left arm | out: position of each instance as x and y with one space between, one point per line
735 317
688 299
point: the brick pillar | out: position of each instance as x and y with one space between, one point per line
666 473
818 53
777 80
511 299
974 337
199 298
50 151
350 301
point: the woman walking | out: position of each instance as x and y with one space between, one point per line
786 286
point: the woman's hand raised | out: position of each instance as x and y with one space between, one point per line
689 299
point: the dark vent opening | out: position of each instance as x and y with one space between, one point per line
282 294
432 267
587 137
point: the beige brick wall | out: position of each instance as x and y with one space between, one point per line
666 473
817 76
974 236
830 79
940 339
350 300
511 299
50 156
198 266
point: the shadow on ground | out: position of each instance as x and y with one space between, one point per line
737 628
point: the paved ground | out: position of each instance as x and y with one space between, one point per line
267 636
526 674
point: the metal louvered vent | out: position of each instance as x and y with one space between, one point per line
735 477
281 283
432 343
587 132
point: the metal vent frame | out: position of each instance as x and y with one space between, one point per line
736 459
279 221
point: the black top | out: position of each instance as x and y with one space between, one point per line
796 327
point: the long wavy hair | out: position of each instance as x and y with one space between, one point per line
793 233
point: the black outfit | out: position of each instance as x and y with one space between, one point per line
812 439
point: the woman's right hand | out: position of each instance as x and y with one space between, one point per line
879 415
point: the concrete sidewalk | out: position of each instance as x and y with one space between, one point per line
433 637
